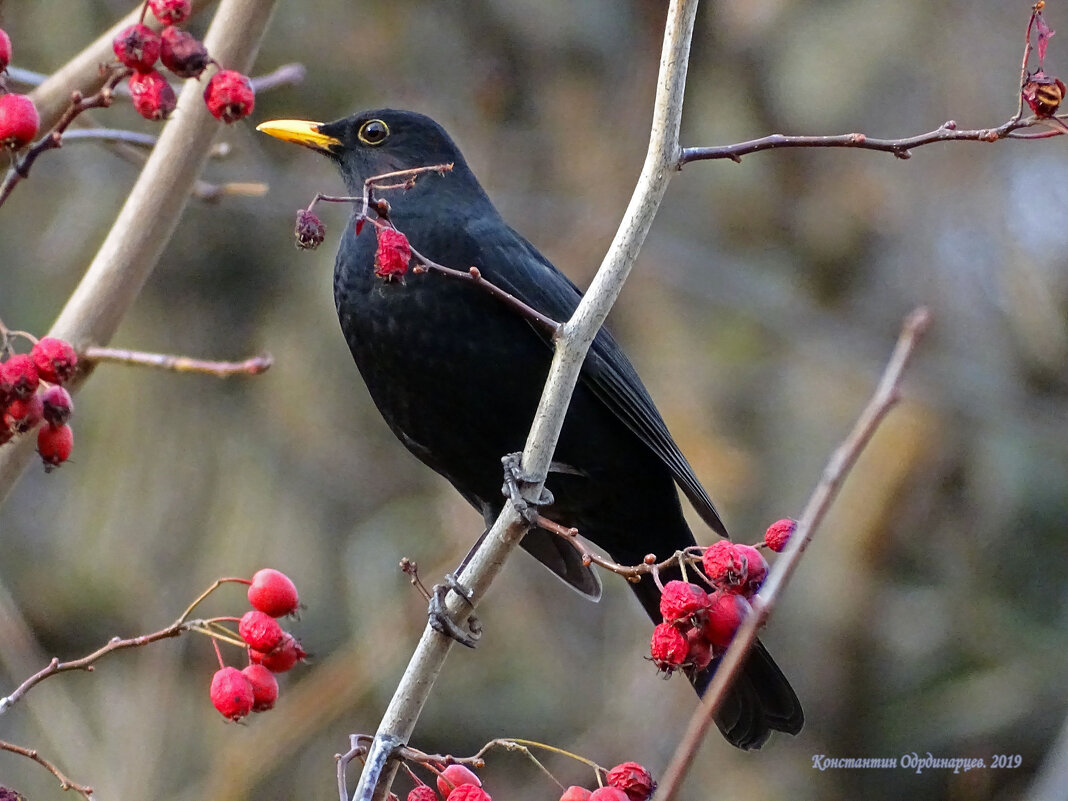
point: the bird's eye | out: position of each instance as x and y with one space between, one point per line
373 132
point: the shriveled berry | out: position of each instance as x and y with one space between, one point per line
282 658
54 359
668 647
137 46
456 776
575 793
54 444
309 231
469 792
22 414
260 631
1043 93
182 53
19 120
231 693
779 533
756 569
699 654
393 254
229 96
273 593
608 793
422 792
633 779
170 12
5 50
56 405
724 565
264 687
152 96
725 615
19 377
680 601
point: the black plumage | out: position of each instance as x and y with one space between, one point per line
457 376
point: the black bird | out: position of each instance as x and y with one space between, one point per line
457 376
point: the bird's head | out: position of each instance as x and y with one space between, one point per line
372 143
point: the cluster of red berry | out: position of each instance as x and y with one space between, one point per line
19 120
699 625
32 393
236 693
229 96
626 782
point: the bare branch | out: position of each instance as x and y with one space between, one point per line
180 364
64 782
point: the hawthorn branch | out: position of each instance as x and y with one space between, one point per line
841 462
180 364
64 782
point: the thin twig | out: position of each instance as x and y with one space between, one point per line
64 782
179 364
834 475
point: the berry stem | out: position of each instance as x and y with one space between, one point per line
180 364
218 653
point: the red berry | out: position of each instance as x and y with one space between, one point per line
393 254
608 793
469 792
668 647
229 96
55 359
22 414
170 12
183 54
19 377
724 565
152 96
19 120
700 650
282 658
231 693
264 687
680 601
575 793
779 533
260 631
137 46
309 231
456 776
422 792
756 568
5 50
56 406
724 617
272 592
632 779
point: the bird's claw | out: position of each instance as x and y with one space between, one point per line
442 622
516 480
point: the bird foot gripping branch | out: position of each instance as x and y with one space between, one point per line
516 482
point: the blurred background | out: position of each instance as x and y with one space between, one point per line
931 612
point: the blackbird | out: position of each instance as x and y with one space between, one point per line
457 376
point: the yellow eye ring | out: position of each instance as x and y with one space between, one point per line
373 132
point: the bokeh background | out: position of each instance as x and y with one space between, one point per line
931 614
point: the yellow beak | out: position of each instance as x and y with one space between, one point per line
300 132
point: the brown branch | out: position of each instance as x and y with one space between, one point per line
180 364
64 782
834 475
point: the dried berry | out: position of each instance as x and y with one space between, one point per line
309 231
282 658
608 793
422 792
1043 93
182 53
22 414
456 776
724 565
273 593
231 693
137 46
264 687
756 568
170 12
699 655
469 792
392 255
779 533
5 50
260 631
229 96
725 615
55 359
19 377
633 779
680 601
19 120
152 96
668 647
56 406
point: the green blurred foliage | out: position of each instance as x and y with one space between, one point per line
929 615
